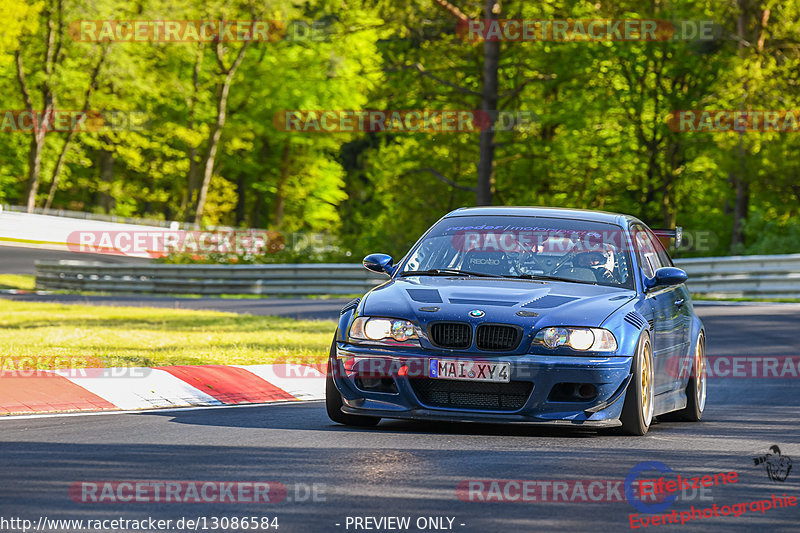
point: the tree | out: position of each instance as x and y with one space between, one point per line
41 92
223 90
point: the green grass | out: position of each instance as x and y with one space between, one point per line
17 281
48 335
26 284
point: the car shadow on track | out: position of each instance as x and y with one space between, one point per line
311 416
776 422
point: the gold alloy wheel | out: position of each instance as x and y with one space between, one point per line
647 383
700 368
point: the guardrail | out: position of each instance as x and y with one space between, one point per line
99 217
761 276
266 280
744 276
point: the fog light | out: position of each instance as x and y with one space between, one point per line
587 391
369 383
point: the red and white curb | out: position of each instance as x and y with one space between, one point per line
126 389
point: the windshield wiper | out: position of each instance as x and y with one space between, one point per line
446 272
554 278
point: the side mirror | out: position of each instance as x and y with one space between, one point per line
380 263
665 277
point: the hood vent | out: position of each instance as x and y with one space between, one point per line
471 301
425 296
550 301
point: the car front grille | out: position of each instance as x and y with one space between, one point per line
496 337
451 334
453 394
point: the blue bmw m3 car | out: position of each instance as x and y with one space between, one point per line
523 315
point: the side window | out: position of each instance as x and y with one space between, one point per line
646 251
663 255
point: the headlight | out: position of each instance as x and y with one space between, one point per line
376 329
583 339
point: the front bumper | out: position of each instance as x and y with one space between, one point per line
609 375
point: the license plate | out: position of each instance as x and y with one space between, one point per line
468 370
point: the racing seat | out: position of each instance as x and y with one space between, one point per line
494 263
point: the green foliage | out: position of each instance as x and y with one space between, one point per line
597 137
771 233
19 17
301 248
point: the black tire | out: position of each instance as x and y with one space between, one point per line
637 414
696 389
333 401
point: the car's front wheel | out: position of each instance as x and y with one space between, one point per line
637 411
333 400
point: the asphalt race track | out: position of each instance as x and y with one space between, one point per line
413 469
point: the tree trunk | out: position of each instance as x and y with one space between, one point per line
68 141
241 206
34 169
491 60
255 213
216 132
188 199
52 54
62 156
105 164
38 134
738 177
283 175
741 203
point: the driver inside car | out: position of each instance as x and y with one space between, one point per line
598 262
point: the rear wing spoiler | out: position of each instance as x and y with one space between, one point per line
676 234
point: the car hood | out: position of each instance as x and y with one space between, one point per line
426 299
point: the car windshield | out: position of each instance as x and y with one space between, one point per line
527 247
